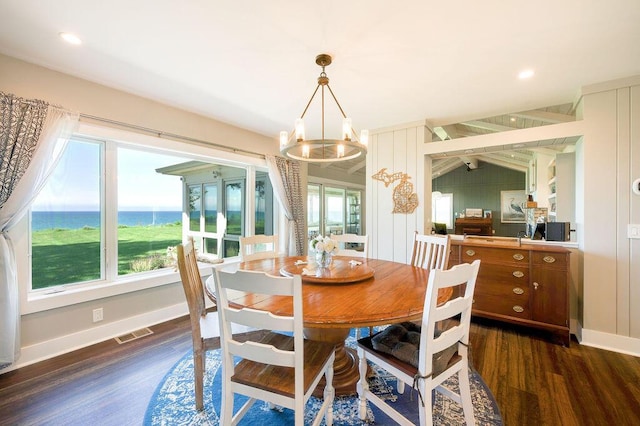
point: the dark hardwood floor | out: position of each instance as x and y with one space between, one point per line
535 382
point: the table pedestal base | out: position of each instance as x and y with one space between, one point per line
345 366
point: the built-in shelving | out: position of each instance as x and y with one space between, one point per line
561 183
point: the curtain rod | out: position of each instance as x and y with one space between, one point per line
167 135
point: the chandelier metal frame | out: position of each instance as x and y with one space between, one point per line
323 150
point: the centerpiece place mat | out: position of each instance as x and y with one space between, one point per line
341 271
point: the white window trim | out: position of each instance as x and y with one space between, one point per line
20 235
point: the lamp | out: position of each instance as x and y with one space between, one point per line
323 150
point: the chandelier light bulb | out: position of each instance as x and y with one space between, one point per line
305 151
340 151
346 129
364 137
284 138
299 129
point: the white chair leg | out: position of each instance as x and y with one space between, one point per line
465 396
426 412
362 386
400 386
329 395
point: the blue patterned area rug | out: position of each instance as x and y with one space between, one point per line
173 402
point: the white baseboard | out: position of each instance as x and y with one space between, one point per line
611 342
575 328
70 342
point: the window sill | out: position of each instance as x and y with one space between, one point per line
65 296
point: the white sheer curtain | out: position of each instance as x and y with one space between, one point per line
56 129
285 178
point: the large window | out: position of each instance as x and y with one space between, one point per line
73 220
149 210
67 220
112 210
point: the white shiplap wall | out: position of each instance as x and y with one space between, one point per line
399 149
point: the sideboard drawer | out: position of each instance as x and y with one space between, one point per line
507 274
519 290
550 260
492 255
510 306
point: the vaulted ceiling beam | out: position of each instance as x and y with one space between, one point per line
545 116
488 126
358 166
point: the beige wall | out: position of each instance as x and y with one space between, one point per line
34 82
611 259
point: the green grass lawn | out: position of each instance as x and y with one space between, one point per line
62 256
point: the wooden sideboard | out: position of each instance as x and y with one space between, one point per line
522 284
474 226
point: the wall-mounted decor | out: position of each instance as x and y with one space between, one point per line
512 205
404 199
487 214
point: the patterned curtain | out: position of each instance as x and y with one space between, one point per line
33 134
285 178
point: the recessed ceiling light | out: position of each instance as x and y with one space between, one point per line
518 145
524 74
513 119
70 38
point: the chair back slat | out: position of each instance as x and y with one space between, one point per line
265 354
259 319
256 282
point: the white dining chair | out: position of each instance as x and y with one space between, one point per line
278 368
346 243
434 365
258 247
431 251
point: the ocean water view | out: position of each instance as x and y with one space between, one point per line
76 220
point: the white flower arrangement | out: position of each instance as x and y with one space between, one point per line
326 244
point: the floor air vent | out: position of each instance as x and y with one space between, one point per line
133 335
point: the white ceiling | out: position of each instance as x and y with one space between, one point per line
251 63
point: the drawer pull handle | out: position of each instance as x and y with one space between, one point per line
518 274
518 290
549 259
518 256
535 285
518 308
470 253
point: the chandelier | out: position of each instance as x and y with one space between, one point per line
323 150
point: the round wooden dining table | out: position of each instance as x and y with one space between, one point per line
350 293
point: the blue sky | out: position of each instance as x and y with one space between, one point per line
74 186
